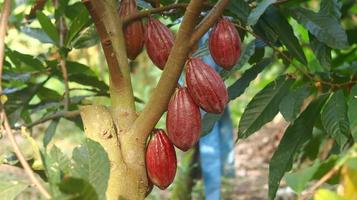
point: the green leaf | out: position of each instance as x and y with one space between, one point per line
92 164
248 51
56 166
48 27
25 62
258 11
321 51
325 28
86 38
79 189
208 122
263 107
294 137
331 8
240 9
238 87
9 190
37 33
285 33
290 105
352 114
78 24
299 180
50 132
334 118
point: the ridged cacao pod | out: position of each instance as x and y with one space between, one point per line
134 31
224 44
158 41
206 86
161 159
183 122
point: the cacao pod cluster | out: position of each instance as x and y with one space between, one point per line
204 89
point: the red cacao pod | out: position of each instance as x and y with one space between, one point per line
158 41
206 86
224 44
161 159
183 122
133 31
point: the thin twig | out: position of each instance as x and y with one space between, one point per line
62 29
38 5
67 114
6 124
146 13
21 157
321 181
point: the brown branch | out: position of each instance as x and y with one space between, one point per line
147 13
38 5
6 124
159 100
209 20
120 88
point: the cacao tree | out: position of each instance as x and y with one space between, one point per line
308 48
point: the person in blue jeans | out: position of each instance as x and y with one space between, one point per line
216 149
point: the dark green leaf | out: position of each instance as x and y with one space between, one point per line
208 122
294 137
79 189
325 28
48 27
321 51
258 11
86 38
263 107
78 24
238 87
283 29
50 132
47 94
334 118
79 68
290 106
25 62
331 8
92 164
92 81
263 29
240 9
352 114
